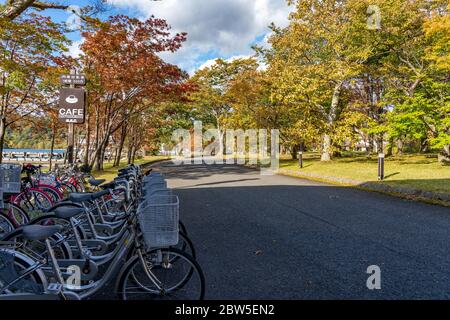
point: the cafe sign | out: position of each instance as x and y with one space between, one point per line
72 105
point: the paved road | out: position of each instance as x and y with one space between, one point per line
276 237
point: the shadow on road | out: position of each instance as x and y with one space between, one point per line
315 242
278 237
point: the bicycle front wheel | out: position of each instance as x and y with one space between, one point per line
162 274
16 214
34 202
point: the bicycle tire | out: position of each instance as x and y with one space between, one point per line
16 214
65 251
6 225
23 200
25 263
131 264
55 194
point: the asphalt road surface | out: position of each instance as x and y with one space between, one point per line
276 237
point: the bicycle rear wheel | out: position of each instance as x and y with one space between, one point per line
61 248
13 265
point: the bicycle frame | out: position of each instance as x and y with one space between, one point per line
125 245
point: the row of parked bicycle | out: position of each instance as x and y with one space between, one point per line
22 198
125 233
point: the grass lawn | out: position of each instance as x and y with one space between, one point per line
411 171
109 173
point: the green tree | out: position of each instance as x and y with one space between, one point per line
212 100
314 59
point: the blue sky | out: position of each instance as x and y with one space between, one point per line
216 28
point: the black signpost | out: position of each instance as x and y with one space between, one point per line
72 103
300 159
381 166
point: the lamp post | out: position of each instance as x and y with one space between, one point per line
381 166
300 159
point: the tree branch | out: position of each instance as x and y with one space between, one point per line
43 6
14 8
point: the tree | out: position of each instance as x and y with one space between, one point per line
417 65
14 8
120 58
314 59
212 100
28 56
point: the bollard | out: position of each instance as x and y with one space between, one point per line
381 166
300 159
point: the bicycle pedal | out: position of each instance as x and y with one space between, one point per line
54 288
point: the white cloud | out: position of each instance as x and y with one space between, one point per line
207 64
74 48
216 28
211 62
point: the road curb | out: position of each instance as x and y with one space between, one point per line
408 193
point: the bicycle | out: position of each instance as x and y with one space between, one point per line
144 274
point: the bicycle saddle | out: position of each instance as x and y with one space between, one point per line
35 232
67 212
96 182
80 196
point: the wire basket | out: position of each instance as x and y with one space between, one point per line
11 177
155 186
47 179
159 220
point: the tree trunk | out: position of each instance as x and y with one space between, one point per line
399 146
444 155
133 154
114 157
98 161
52 145
88 142
326 151
123 135
294 152
424 145
97 137
332 115
105 147
2 136
129 154
101 153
